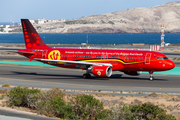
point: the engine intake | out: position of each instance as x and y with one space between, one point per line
102 71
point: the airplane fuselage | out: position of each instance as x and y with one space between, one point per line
123 60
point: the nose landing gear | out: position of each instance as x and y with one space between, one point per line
151 78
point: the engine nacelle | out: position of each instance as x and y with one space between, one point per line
102 71
133 73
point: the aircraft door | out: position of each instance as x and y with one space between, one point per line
147 58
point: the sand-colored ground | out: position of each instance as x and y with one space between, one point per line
170 103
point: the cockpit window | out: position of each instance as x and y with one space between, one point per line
165 58
161 58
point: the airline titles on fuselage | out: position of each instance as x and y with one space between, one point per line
103 53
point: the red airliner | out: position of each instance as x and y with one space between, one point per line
99 62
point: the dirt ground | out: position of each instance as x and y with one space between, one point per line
170 103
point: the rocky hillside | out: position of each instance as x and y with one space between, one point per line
137 20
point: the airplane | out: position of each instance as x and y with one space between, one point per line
98 62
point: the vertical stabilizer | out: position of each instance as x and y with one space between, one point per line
31 37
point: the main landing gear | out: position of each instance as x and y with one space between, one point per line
86 76
151 76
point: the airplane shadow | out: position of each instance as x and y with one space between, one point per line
120 76
46 75
55 76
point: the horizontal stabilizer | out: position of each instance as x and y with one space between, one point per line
19 52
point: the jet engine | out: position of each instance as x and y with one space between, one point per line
102 71
133 73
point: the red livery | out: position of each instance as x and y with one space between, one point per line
99 62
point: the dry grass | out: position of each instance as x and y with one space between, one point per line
169 103
6 85
177 116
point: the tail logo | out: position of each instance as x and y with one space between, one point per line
54 55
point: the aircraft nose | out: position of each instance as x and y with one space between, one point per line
171 65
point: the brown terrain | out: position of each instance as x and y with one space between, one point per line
170 103
136 20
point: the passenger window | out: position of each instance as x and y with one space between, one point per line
157 58
161 58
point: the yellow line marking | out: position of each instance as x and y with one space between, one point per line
6 64
14 64
55 68
160 75
8 60
30 67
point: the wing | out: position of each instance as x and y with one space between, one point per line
74 62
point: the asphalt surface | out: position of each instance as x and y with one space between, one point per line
14 115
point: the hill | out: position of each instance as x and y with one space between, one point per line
137 20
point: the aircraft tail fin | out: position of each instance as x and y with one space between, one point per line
31 37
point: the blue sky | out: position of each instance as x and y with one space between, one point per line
14 10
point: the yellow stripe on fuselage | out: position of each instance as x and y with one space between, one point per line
115 60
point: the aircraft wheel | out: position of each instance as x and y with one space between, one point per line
86 76
151 78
